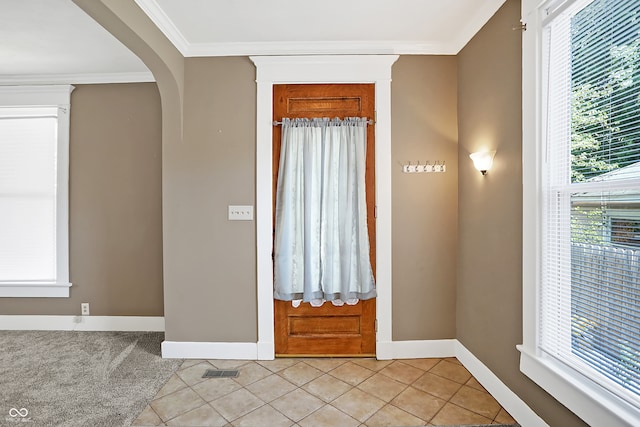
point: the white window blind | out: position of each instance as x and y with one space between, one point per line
28 141
590 264
34 191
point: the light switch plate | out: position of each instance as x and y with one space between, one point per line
240 213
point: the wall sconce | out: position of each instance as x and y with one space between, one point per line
482 160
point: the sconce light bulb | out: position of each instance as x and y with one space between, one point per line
482 160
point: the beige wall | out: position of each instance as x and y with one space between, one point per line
210 262
424 128
115 205
489 292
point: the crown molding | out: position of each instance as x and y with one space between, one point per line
320 48
165 24
89 78
476 22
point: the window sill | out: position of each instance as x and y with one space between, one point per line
587 400
34 290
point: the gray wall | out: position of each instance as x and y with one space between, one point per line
489 291
210 262
114 205
424 128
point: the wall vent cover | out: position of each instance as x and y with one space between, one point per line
220 373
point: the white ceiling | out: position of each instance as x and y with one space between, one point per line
54 40
259 27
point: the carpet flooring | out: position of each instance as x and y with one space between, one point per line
68 379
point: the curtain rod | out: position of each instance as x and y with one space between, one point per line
276 123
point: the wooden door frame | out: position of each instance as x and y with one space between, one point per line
322 69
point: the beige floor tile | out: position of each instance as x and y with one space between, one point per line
453 360
278 365
504 417
351 373
424 364
326 365
354 393
174 384
236 404
300 374
215 388
358 404
437 386
271 388
452 414
297 404
382 387
328 416
473 383
193 374
147 417
476 401
452 371
327 387
402 372
177 403
423 405
390 416
202 416
372 364
190 362
263 416
251 372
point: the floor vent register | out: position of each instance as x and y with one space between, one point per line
220 373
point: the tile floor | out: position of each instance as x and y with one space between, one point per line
324 392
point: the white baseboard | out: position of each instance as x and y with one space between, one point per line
415 349
81 323
210 350
266 350
503 394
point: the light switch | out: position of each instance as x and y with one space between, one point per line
240 213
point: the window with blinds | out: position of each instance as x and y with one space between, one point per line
34 205
590 291
28 139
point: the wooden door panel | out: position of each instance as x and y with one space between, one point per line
327 105
327 330
324 325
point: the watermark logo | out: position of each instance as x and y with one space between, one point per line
22 412
19 415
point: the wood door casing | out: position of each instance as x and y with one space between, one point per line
327 330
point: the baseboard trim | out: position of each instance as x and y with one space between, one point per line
81 323
503 394
210 350
415 349
266 350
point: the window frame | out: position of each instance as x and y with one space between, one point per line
58 96
589 401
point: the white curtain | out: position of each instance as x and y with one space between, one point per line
321 243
